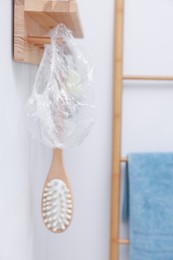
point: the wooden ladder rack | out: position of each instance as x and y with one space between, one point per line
117 118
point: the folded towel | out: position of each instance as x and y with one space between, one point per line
150 178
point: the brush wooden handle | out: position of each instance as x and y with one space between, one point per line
57 169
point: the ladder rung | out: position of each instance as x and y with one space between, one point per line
124 242
140 77
124 160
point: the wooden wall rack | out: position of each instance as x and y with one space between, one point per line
117 160
32 21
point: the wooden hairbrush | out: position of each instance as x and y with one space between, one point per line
57 202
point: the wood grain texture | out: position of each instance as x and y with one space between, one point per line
34 18
117 116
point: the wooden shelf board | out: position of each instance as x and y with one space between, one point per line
34 18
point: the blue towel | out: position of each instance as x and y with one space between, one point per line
150 201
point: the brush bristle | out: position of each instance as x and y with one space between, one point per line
57 205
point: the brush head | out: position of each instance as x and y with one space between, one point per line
57 206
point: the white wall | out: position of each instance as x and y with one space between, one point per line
147 126
15 206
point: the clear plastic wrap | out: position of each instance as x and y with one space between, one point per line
60 110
